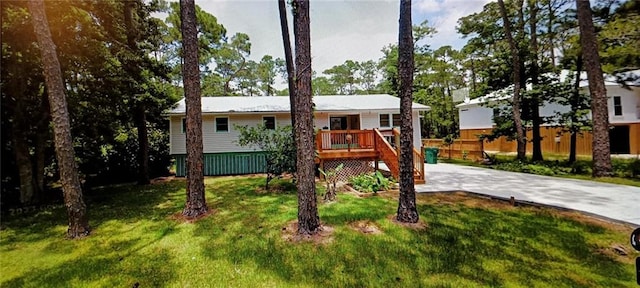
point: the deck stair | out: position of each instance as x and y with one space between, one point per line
367 145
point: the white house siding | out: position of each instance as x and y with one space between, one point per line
479 117
630 99
220 142
475 117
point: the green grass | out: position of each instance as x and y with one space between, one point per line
135 240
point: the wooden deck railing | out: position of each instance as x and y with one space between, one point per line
344 140
387 154
376 144
418 164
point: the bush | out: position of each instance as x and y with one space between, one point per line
634 168
278 145
370 182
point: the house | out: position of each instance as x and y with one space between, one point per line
336 116
476 118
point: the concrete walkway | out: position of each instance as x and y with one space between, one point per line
617 202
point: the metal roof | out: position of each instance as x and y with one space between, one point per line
245 104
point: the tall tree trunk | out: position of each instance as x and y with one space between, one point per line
196 203
407 211
40 145
535 71
288 56
76 209
139 111
575 97
601 146
143 144
515 54
308 219
551 34
23 161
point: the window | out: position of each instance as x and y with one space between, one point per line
617 106
384 120
222 124
184 125
396 120
269 122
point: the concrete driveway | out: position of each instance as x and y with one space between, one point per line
617 202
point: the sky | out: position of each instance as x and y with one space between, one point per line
340 30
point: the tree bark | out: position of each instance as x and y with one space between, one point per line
308 219
23 161
139 111
288 56
550 20
76 209
143 144
196 202
407 211
515 54
575 98
600 115
535 70
40 145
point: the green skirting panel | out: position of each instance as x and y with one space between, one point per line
226 163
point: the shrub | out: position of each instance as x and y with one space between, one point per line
370 182
634 168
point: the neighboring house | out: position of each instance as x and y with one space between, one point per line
223 156
476 118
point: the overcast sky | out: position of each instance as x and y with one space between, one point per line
340 30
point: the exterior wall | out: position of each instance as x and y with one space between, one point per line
225 142
630 99
549 145
219 142
226 163
475 117
480 117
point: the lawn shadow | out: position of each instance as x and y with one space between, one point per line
146 269
470 246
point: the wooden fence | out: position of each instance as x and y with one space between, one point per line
466 149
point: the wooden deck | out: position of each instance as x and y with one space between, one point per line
369 145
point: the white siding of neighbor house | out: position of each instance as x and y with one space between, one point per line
475 117
630 99
220 142
479 117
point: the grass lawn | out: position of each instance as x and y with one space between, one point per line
469 242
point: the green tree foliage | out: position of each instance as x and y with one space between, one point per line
437 75
92 47
279 146
210 36
619 37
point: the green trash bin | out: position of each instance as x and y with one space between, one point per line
431 155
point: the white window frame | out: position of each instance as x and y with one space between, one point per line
614 106
380 122
183 125
215 124
390 115
275 121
